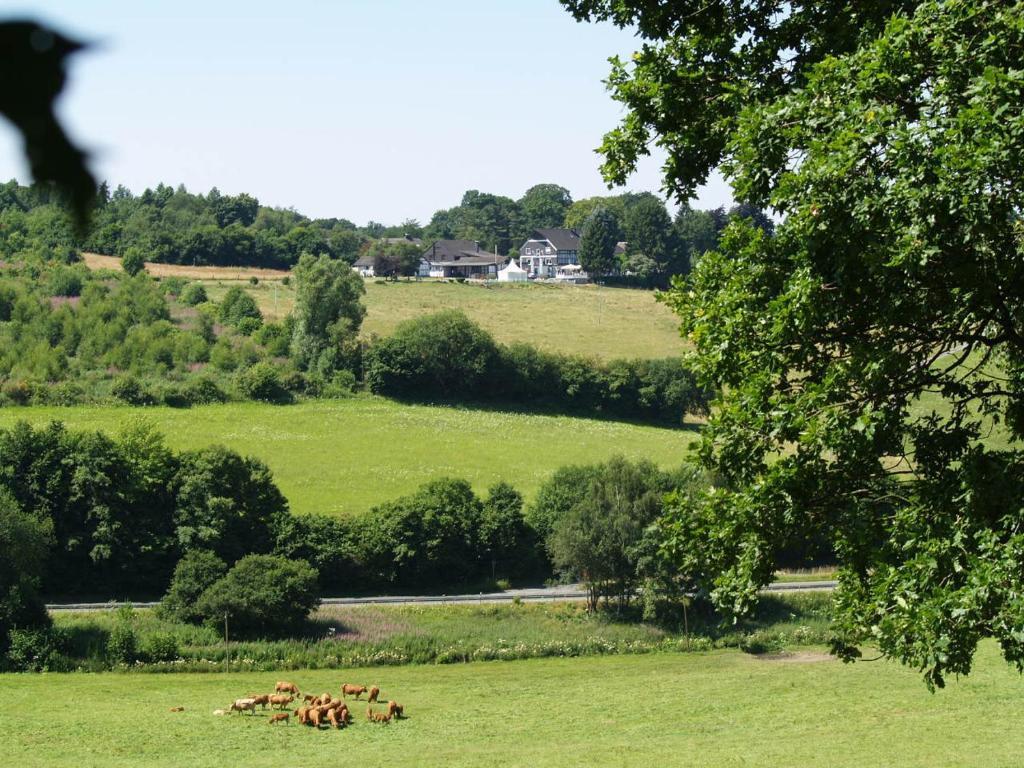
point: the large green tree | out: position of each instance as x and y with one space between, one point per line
543 205
872 351
598 237
328 312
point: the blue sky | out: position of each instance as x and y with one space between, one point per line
381 110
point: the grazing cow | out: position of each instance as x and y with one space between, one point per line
286 687
260 698
302 715
395 709
325 698
309 698
334 720
355 690
374 693
343 714
241 705
316 716
377 717
280 701
177 709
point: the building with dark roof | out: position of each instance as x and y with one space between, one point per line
459 258
548 249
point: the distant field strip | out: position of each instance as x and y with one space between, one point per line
716 710
590 320
342 457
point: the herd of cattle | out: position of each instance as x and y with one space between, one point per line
315 711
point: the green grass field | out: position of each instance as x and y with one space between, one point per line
717 709
345 456
590 320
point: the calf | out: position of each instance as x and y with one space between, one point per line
355 690
280 717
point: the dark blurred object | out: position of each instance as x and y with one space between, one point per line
31 77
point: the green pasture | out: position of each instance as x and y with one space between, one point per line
345 456
590 320
719 709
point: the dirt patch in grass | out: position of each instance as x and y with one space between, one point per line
796 657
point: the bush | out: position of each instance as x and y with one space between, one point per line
133 261
173 286
202 390
439 356
261 595
160 647
194 294
196 572
65 281
254 280
247 326
123 641
41 649
18 392
237 305
261 382
128 389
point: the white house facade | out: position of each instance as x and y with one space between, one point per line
548 250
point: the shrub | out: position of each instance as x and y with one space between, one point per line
254 280
261 595
286 281
123 641
261 382
133 261
247 326
196 572
65 281
442 355
173 286
18 391
236 305
160 647
39 649
202 390
194 294
128 389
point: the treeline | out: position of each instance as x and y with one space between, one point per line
174 225
68 336
87 514
446 356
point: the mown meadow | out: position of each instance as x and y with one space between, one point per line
341 457
592 320
721 708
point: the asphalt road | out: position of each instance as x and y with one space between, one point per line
538 595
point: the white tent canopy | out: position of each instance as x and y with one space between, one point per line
512 273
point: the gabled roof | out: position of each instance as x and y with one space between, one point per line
561 239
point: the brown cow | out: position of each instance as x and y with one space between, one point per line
377 717
316 716
325 698
302 715
395 709
241 705
333 719
286 687
177 709
374 693
260 698
280 701
280 717
309 698
355 690
344 715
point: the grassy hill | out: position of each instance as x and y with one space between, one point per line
342 457
591 320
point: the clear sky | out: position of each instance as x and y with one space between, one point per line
363 109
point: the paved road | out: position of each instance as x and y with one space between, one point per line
538 595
